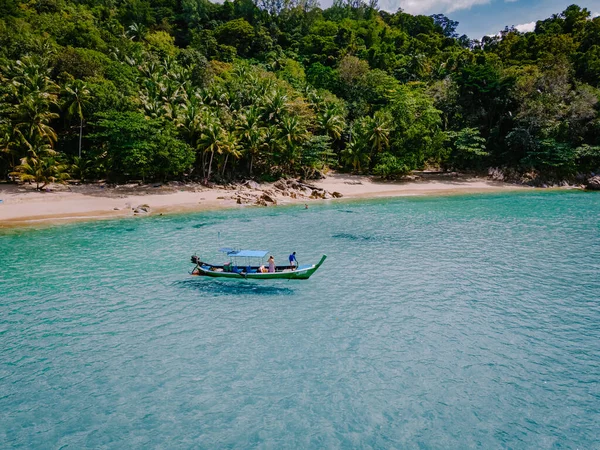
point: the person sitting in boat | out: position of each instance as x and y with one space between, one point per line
293 260
271 264
262 269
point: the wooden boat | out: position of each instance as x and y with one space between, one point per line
235 270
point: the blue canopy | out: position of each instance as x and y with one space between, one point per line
245 253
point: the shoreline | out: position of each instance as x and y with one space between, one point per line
23 207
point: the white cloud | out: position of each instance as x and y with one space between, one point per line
526 27
430 6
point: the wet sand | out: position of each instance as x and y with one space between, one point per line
24 206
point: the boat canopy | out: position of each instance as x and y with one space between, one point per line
245 253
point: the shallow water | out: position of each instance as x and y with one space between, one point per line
450 322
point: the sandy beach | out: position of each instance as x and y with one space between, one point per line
23 205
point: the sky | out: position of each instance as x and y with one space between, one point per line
478 18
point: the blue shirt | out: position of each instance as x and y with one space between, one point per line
293 258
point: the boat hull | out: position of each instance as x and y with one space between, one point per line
302 273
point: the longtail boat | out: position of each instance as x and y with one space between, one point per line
236 270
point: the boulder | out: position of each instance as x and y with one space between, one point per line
280 185
267 198
260 202
496 174
141 209
336 195
593 183
252 184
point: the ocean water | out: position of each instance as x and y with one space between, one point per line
440 322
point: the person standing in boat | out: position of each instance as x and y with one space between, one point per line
293 260
271 264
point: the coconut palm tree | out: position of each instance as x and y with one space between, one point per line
355 155
378 131
189 120
331 121
77 95
229 147
275 106
32 95
250 132
41 170
292 133
32 121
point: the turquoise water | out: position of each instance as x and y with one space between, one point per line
456 322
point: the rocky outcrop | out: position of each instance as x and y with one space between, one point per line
593 183
252 193
141 209
252 185
268 199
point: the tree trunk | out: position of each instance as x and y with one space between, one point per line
80 134
251 161
225 165
203 164
210 164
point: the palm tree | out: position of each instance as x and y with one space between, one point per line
215 139
33 94
42 170
292 133
230 147
190 120
378 131
355 155
77 94
331 121
32 121
250 133
275 106
272 144
136 32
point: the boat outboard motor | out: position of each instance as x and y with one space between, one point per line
195 259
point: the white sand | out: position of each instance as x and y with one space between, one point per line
353 186
25 206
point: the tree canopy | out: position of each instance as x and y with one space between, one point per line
166 89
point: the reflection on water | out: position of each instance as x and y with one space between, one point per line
233 287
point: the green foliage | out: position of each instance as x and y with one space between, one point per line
162 89
42 168
417 136
237 33
390 166
556 159
162 43
467 148
137 147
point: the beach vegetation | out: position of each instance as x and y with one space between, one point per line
215 92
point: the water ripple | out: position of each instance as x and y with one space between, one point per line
456 322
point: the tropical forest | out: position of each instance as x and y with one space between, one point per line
159 90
